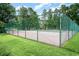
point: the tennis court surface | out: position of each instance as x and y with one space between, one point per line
50 37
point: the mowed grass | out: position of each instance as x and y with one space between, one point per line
73 43
17 46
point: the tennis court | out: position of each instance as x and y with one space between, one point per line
57 32
50 37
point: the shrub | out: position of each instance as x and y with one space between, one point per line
2 27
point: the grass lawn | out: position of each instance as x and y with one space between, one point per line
73 44
17 46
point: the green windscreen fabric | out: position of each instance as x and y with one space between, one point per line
67 24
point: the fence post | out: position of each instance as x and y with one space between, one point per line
25 32
60 32
72 30
37 34
17 29
68 29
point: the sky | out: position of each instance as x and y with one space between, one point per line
39 7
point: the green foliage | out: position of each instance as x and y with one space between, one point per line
44 14
52 19
23 16
44 19
72 11
28 18
2 24
63 9
7 12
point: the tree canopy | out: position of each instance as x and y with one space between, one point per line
28 18
7 12
72 11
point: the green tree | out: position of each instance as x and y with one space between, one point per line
23 13
56 16
33 19
50 21
53 19
44 14
28 18
72 11
44 18
7 12
64 9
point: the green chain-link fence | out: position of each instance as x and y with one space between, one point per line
55 31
